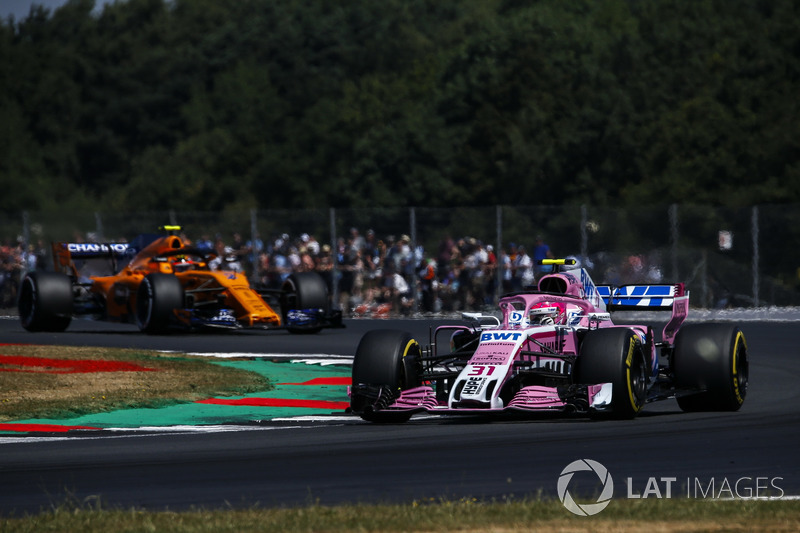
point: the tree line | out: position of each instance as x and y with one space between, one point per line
235 104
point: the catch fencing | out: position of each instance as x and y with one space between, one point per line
727 257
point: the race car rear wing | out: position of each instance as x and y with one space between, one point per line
65 252
673 298
640 297
91 250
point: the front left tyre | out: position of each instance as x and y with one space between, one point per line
156 300
304 291
45 301
386 363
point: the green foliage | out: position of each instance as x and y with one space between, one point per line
211 104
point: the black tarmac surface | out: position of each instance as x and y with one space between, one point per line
750 452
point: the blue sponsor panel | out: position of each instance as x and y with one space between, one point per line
643 296
646 290
303 317
591 291
88 250
604 291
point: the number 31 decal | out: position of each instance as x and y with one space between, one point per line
477 370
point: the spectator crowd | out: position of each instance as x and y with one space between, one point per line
369 275
15 260
379 275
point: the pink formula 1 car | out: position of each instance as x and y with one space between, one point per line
554 349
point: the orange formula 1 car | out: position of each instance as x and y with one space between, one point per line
162 284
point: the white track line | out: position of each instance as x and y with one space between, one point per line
310 359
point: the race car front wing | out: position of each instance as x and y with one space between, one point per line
295 319
569 398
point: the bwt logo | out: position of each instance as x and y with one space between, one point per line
585 509
505 336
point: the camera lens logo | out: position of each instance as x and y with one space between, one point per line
585 509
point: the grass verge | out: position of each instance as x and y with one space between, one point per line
64 382
651 515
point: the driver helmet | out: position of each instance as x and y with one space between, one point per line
229 255
547 313
182 264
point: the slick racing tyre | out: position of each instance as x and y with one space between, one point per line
157 298
711 358
45 301
615 356
386 362
303 290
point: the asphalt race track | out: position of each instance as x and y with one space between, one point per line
753 451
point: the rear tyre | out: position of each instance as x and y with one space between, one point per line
45 301
303 290
388 361
157 298
615 356
712 358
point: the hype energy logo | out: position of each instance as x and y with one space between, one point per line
585 509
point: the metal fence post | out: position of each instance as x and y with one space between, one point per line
673 227
334 256
412 222
254 239
26 229
584 234
500 270
754 233
98 227
704 298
